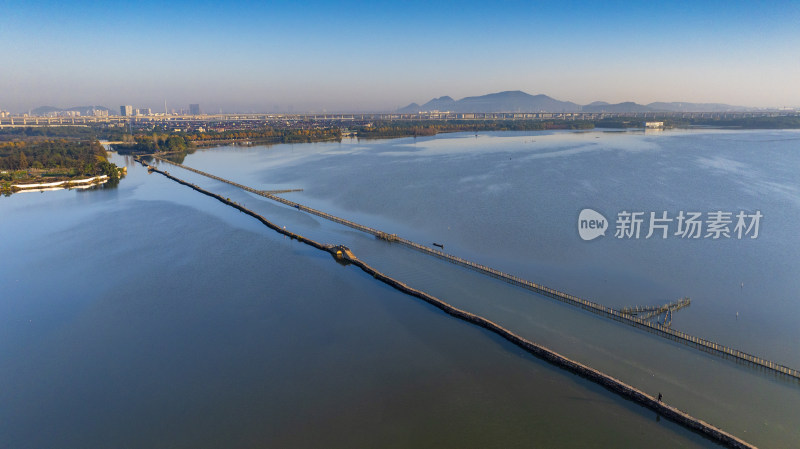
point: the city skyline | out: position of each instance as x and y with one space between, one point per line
353 56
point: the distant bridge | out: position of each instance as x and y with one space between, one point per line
206 119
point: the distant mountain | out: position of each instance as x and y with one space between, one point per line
628 106
696 107
509 101
518 101
437 104
84 110
41 110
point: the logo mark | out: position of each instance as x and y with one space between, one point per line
591 224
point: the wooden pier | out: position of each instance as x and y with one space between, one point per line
650 312
608 382
656 328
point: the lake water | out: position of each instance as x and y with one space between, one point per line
151 315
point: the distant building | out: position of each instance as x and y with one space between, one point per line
126 110
143 111
194 109
100 113
653 124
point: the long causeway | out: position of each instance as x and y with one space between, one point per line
593 307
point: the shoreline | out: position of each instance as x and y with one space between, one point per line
80 184
607 312
65 184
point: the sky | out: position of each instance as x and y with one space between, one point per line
314 56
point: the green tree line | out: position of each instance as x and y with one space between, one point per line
154 143
164 142
429 128
83 156
270 134
31 133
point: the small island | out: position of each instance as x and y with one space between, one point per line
41 163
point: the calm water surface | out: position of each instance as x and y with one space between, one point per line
150 315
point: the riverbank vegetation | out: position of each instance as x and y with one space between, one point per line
34 161
385 129
777 122
182 143
153 143
85 133
266 135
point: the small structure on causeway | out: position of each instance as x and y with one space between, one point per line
342 252
650 312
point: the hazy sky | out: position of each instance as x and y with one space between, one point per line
344 56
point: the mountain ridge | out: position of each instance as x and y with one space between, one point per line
519 101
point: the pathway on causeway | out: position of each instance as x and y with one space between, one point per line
599 309
610 383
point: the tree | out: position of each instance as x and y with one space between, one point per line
23 161
175 143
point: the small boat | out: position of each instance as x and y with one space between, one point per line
438 244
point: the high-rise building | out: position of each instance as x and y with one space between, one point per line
126 110
143 111
194 109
